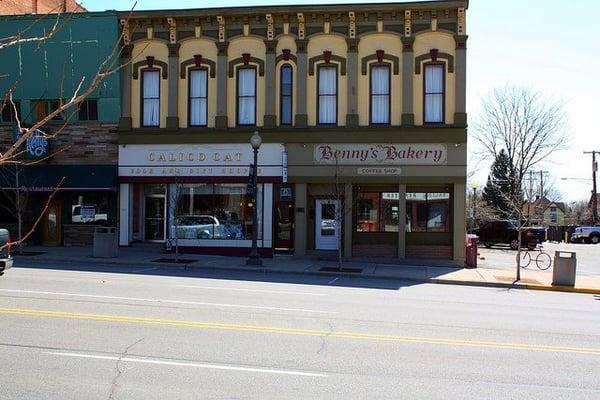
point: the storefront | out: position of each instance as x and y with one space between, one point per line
395 201
85 196
196 197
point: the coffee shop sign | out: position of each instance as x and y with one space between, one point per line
394 154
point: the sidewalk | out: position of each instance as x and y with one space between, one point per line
149 256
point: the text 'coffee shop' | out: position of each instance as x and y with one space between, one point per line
195 196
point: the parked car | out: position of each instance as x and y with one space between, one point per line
586 234
6 260
506 232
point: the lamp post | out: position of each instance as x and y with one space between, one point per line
254 258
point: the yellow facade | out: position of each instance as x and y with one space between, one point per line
255 46
445 43
208 50
368 45
159 50
316 46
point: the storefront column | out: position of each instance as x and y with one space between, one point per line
402 221
460 115
300 232
301 120
352 79
222 77
173 82
459 222
125 214
270 119
408 60
348 226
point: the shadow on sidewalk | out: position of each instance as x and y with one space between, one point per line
407 276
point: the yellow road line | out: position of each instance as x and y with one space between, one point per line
299 331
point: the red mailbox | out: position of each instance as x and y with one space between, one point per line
471 251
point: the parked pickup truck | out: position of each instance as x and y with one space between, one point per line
586 234
6 260
506 232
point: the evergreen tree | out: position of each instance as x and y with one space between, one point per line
497 190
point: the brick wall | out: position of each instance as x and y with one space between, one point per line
374 250
78 234
81 144
435 252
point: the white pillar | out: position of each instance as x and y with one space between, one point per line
267 213
125 214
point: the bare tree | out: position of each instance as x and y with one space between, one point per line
69 103
523 123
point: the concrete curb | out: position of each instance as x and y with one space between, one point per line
440 281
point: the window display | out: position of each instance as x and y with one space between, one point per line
377 212
427 212
89 209
212 211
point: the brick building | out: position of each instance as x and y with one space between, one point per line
18 7
361 109
84 152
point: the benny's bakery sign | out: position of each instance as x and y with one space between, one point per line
373 154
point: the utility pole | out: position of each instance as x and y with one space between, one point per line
594 191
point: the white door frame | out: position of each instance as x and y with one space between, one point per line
326 242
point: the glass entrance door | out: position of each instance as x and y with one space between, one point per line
284 226
154 218
327 230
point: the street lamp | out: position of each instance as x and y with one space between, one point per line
254 258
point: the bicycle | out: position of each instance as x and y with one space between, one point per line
543 260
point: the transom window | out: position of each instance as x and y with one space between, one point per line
198 97
286 95
150 97
88 110
433 101
380 94
327 97
246 96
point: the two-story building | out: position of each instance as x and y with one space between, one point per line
361 109
79 145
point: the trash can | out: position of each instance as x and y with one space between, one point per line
565 268
105 242
471 251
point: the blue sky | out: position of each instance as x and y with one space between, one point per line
552 46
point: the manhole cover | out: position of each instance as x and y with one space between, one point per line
173 261
347 270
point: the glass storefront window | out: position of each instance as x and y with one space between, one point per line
427 212
377 212
89 209
212 211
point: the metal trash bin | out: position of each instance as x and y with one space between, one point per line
565 268
471 251
105 242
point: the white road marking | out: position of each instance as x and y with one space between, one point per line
197 303
191 364
251 290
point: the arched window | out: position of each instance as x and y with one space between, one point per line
285 100
327 94
433 93
246 95
150 97
198 97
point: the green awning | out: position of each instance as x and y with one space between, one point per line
45 178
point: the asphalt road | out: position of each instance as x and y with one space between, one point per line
174 334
